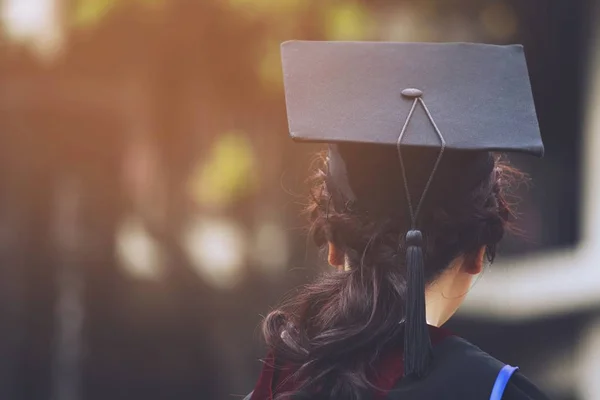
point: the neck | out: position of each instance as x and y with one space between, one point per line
444 296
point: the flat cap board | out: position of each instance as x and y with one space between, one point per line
478 95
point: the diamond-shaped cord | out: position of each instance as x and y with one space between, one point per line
414 213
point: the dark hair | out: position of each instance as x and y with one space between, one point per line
335 329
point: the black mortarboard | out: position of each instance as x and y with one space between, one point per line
478 95
450 104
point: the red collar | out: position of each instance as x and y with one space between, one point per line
390 370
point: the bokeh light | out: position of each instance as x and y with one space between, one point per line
271 248
348 21
270 71
36 22
137 250
217 247
268 8
228 172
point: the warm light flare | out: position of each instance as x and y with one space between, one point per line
37 22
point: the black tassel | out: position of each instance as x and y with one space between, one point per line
417 344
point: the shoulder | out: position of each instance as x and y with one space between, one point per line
461 370
462 359
521 388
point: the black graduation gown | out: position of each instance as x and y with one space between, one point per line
459 371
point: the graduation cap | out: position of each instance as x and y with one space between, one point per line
404 120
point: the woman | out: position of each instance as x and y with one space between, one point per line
410 203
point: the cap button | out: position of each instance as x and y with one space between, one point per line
412 93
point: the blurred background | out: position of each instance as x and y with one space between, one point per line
150 198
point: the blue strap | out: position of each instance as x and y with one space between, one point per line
501 381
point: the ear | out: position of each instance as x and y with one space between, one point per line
474 263
335 256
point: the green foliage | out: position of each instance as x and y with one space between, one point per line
87 13
269 69
271 9
348 20
229 172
